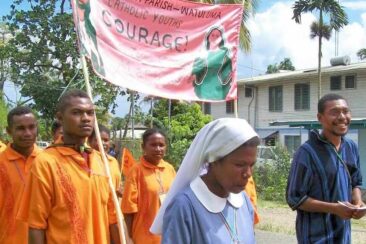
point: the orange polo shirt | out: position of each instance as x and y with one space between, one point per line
115 172
252 193
14 172
127 161
141 197
68 199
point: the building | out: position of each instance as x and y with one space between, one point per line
282 107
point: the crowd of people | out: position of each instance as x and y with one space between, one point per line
61 194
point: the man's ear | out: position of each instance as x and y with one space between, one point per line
59 116
319 116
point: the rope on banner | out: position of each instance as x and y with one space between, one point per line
104 158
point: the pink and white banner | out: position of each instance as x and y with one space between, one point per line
173 49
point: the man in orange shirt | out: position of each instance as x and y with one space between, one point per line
113 164
15 164
66 199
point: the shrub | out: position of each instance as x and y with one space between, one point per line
271 177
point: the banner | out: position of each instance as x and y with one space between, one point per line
173 49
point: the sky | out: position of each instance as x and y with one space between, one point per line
276 36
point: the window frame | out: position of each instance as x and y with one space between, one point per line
303 106
207 108
332 81
354 81
229 105
246 92
275 106
295 144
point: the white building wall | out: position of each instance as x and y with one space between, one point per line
245 104
288 107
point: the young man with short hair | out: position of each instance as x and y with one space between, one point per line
15 165
66 200
326 171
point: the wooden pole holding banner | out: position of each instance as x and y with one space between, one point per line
104 157
133 115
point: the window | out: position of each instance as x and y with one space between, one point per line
230 107
335 82
207 108
302 97
248 92
275 98
350 82
292 143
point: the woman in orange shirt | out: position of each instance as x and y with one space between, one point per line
146 185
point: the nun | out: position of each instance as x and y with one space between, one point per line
206 203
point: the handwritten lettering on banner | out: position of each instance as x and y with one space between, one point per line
173 49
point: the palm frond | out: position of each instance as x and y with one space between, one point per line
303 6
324 31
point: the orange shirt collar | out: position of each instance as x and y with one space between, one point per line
147 164
11 154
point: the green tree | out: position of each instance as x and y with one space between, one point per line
4 55
3 118
117 124
182 126
44 56
272 68
330 8
285 64
362 53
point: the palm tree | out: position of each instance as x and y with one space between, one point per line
249 9
336 13
362 53
324 31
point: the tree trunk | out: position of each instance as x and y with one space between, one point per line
127 121
320 55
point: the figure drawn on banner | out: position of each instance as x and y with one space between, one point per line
87 27
213 70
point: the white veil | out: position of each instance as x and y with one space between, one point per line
214 141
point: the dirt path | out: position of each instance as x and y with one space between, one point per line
277 225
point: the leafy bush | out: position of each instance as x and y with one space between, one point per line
271 177
182 126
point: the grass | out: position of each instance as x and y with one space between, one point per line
271 204
275 228
277 217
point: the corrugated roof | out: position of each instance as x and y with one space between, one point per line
301 73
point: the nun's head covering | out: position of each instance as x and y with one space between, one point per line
214 141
